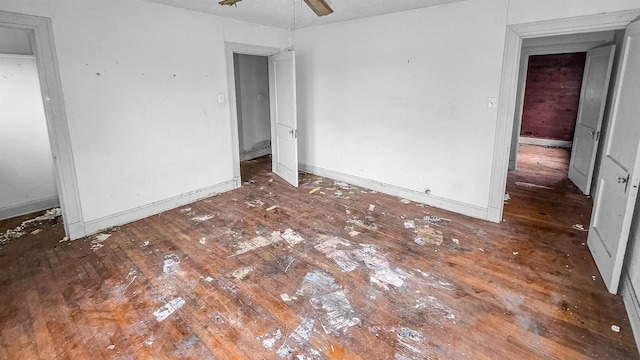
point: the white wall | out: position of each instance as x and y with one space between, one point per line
141 84
252 98
402 99
524 11
26 164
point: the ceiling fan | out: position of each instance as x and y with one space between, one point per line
320 7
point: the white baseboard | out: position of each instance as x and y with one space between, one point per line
125 217
442 203
546 142
632 305
29 207
252 154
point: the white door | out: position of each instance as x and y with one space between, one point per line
593 96
284 121
620 171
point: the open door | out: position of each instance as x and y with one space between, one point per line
593 97
620 171
284 121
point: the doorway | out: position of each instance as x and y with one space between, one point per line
282 109
251 74
27 182
40 34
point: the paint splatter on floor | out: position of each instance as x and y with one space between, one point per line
242 273
169 308
296 345
292 237
269 340
171 264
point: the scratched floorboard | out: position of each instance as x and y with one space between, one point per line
359 285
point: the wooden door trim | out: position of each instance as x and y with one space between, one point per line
41 35
515 33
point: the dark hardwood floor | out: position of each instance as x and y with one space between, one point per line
326 270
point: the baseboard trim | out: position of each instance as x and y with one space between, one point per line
29 207
632 305
546 142
125 217
441 203
252 154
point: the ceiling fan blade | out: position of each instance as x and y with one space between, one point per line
320 7
228 2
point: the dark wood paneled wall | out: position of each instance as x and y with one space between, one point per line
552 94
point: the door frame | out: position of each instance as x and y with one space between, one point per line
244 49
509 83
41 36
526 53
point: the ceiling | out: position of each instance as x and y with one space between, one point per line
279 13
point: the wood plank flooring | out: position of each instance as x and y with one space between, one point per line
325 271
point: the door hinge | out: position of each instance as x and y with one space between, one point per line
295 134
597 137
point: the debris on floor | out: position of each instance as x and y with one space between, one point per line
410 344
287 298
32 225
325 294
271 208
409 224
579 227
254 203
297 345
428 235
314 190
257 242
242 273
291 237
530 185
405 201
615 328
431 219
98 241
171 264
268 340
169 308
507 197
371 207
202 218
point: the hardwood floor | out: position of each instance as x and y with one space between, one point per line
359 275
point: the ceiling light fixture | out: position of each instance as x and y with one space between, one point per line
320 7
229 2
